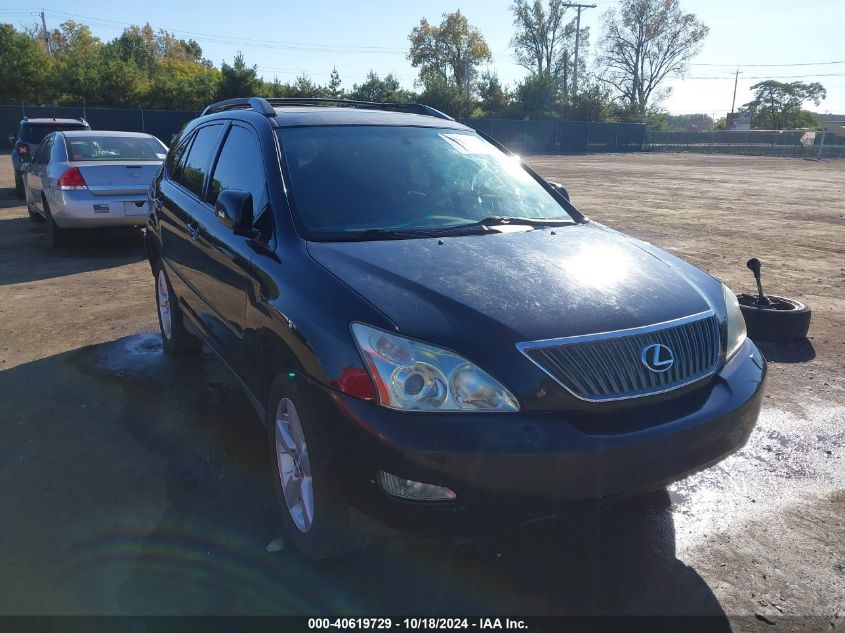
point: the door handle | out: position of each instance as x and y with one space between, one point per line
193 231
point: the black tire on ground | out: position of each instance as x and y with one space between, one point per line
783 325
331 533
57 236
19 188
176 339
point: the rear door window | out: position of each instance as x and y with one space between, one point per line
199 158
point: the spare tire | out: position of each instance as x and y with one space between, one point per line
781 320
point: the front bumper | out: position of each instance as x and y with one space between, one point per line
507 468
82 209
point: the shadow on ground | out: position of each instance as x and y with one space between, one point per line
139 483
792 352
26 255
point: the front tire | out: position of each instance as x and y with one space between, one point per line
313 512
174 337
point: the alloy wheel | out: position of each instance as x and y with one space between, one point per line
294 465
164 311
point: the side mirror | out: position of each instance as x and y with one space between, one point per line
234 209
559 188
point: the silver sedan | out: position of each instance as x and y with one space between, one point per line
86 180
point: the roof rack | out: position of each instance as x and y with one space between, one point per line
241 103
266 106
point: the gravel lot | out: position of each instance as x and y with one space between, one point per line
131 482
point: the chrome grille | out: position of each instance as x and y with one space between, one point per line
610 366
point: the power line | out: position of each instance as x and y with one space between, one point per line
770 65
245 41
726 78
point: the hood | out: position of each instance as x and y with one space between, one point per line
517 286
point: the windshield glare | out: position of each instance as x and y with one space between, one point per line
354 178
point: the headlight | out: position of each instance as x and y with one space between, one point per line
416 376
736 323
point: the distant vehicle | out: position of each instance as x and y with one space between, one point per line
86 180
434 336
30 135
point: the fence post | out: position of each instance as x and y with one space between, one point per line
525 138
143 128
618 127
821 145
588 136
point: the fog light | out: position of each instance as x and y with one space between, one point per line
417 490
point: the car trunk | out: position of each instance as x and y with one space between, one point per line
115 178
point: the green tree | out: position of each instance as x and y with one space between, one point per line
538 96
445 53
374 88
334 89
183 85
444 96
644 42
78 64
238 80
592 103
25 67
495 99
777 105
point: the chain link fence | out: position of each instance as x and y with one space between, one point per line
557 136
793 143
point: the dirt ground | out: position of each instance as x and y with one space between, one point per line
133 483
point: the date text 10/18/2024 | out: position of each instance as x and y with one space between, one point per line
414 624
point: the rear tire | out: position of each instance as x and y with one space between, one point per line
318 521
20 192
57 235
174 337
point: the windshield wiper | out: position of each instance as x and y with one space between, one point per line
499 220
481 227
411 234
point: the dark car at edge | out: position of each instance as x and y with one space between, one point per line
435 338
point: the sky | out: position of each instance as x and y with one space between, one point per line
785 40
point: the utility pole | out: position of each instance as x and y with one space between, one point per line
736 80
46 35
577 41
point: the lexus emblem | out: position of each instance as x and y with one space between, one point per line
658 358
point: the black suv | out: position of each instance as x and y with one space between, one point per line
435 338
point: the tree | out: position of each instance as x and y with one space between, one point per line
777 105
544 42
24 67
238 80
446 52
334 89
79 60
494 98
644 42
374 88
